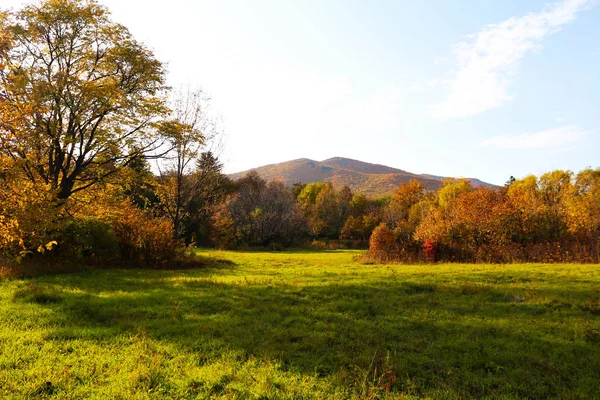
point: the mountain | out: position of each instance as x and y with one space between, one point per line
362 177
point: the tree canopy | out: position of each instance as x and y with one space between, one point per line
79 94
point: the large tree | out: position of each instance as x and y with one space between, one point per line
78 94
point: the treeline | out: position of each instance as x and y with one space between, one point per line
144 218
268 214
101 163
551 218
129 218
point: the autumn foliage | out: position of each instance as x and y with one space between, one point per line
382 243
83 110
144 239
551 218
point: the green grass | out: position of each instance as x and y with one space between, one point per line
303 325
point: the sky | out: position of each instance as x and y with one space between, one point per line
465 88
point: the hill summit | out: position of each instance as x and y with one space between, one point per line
360 176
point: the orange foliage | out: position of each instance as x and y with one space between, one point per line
144 239
554 218
382 243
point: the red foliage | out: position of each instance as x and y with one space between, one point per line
430 251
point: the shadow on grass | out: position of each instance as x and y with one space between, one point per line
42 267
287 250
472 340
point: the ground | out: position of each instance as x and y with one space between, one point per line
302 325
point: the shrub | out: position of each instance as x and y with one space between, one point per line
382 243
86 238
29 218
10 237
429 249
144 239
318 244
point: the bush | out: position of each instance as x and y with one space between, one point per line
88 239
430 250
382 244
30 217
145 239
328 244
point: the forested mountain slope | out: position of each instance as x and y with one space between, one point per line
361 177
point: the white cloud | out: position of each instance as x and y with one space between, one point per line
487 64
552 138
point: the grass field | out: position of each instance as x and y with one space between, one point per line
304 325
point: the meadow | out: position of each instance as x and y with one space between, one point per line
304 325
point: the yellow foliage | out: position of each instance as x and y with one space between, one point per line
29 213
451 190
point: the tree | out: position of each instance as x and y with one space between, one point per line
325 209
28 216
359 227
308 202
190 129
259 213
297 188
451 190
139 185
407 195
211 187
359 205
584 209
555 188
79 96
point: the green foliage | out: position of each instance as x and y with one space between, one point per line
359 205
212 188
451 190
325 209
138 184
86 239
359 228
303 325
309 193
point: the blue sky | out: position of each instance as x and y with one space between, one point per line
475 88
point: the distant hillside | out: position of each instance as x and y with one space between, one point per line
362 177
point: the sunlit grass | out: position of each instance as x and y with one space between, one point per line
304 325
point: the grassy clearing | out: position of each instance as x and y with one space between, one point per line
304 325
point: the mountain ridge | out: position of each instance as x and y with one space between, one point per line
362 177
